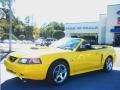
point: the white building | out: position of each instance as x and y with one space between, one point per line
104 31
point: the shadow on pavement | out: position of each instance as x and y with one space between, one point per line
97 80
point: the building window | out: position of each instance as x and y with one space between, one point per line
96 27
73 28
78 27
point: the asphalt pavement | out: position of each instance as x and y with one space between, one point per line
97 80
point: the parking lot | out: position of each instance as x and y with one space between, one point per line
97 80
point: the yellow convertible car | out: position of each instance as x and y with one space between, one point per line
66 57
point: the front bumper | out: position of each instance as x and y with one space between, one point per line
26 71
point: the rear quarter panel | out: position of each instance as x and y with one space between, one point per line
106 52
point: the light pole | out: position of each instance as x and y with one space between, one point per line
10 26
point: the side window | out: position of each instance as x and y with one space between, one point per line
85 46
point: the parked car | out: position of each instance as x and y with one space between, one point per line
29 42
18 42
40 42
6 41
13 41
50 41
65 57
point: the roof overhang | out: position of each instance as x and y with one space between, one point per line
116 30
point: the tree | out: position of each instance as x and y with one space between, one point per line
18 27
1 33
56 26
29 32
4 25
36 33
27 20
51 27
6 36
4 9
58 34
4 18
28 28
18 30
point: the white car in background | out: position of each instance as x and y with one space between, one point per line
18 42
29 42
6 41
13 41
40 42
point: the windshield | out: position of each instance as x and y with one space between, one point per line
66 43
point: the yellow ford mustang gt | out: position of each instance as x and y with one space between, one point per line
66 57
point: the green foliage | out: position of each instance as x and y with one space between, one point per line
55 26
18 28
36 33
22 30
58 34
1 33
28 32
4 25
6 36
22 37
48 30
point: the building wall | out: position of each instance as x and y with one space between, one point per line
103 26
81 28
111 21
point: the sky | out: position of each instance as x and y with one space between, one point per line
66 11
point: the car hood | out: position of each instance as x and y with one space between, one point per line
37 53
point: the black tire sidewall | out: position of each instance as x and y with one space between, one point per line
49 76
105 64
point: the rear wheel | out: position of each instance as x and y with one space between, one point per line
108 64
57 73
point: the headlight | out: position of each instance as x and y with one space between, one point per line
30 61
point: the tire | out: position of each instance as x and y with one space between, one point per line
57 73
108 65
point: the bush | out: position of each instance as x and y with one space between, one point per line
21 37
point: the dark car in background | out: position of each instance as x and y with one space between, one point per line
44 42
50 41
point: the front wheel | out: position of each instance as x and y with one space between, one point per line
57 73
108 65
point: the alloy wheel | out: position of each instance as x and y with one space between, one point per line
60 73
109 64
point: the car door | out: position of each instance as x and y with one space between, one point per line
87 58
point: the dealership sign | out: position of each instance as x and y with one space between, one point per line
118 20
82 27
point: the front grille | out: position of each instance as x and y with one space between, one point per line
12 58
